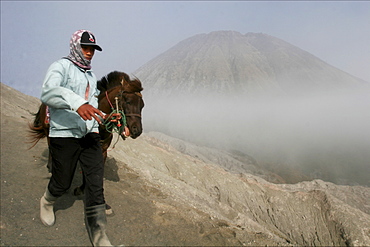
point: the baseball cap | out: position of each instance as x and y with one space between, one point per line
88 38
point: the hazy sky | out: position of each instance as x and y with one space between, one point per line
36 33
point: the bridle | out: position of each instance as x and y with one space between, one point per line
118 126
121 94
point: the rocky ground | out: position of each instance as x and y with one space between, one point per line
167 192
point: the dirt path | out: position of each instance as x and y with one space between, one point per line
142 214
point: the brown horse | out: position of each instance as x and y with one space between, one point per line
119 84
130 102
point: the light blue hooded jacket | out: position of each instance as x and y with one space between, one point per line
63 91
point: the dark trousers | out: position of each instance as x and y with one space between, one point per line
65 153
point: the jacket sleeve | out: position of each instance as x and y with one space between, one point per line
56 96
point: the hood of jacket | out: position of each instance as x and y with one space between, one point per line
75 54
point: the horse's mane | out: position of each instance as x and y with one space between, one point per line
117 78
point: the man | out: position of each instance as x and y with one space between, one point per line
69 90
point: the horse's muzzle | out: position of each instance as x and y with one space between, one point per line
135 134
135 131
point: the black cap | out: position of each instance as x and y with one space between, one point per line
88 38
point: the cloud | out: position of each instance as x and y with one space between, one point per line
324 135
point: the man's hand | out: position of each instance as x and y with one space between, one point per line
87 112
126 132
116 116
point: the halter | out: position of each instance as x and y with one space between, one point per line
121 93
115 126
118 126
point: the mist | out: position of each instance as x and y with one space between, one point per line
318 135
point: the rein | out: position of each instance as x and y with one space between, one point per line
118 124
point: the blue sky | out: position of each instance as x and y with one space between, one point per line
36 33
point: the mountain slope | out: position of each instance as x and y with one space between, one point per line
165 191
309 213
229 62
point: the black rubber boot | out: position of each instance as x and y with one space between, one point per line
96 222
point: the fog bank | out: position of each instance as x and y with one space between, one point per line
322 135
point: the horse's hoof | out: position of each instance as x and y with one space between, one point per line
78 191
108 210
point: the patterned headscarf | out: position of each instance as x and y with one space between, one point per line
76 55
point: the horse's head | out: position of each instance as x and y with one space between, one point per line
130 101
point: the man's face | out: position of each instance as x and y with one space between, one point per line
88 51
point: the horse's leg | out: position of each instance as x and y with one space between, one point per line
81 189
49 164
106 138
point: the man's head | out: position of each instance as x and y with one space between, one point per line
82 48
